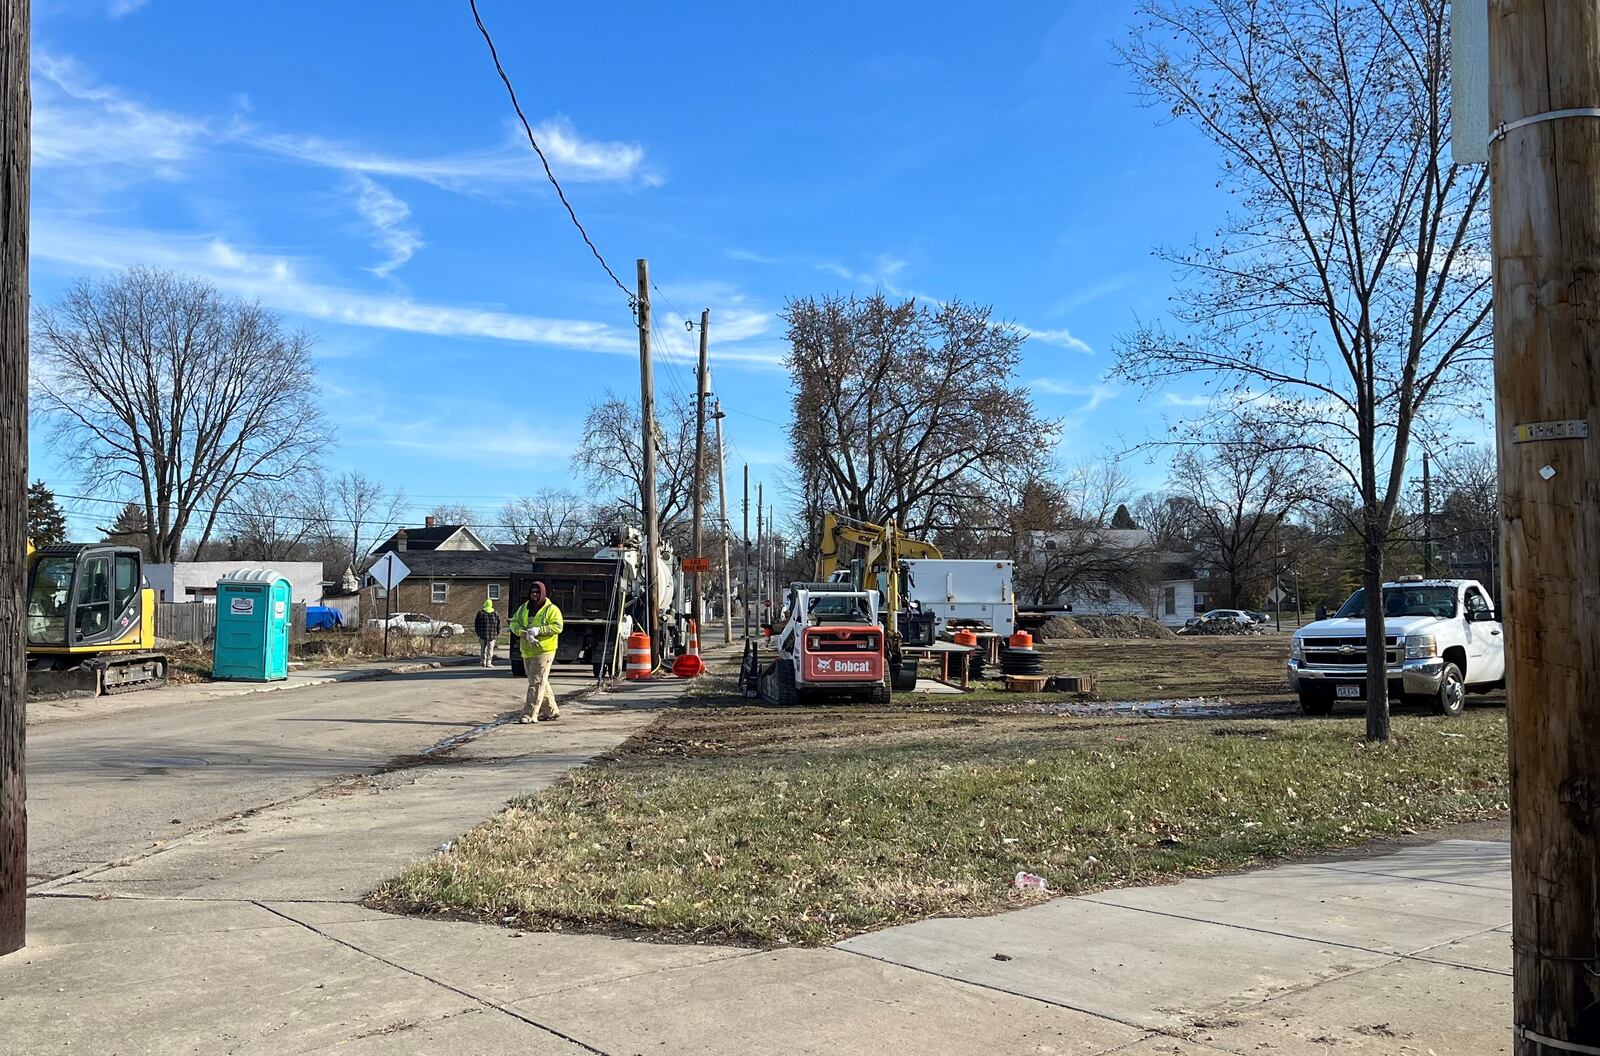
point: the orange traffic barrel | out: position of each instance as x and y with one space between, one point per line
694 640
688 665
966 636
638 665
1021 640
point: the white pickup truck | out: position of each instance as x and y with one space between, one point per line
1443 639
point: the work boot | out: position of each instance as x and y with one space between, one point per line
528 716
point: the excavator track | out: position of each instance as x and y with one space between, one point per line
100 676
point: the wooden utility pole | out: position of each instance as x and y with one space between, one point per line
744 573
647 423
761 549
722 501
1544 58
14 151
701 390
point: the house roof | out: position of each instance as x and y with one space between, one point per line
425 538
549 553
499 563
464 564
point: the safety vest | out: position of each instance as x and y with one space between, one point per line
546 625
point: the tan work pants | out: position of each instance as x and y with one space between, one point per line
486 652
541 697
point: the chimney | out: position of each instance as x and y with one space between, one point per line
533 545
428 520
400 540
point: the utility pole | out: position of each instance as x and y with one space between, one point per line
1427 518
14 174
744 572
700 465
1544 83
761 553
647 423
727 529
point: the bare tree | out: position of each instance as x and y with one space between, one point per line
1236 496
1348 294
1065 546
611 456
356 511
456 513
270 522
158 383
903 411
553 517
1167 517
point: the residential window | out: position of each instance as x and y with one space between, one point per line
1170 601
494 592
441 593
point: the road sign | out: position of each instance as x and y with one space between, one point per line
1469 82
697 564
389 571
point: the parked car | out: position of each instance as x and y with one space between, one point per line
1238 616
1259 617
417 625
1443 640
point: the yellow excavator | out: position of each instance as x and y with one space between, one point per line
91 621
884 547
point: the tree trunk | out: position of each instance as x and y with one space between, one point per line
14 147
1377 647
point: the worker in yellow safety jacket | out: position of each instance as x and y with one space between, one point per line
536 626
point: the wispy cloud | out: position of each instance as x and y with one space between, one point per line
1089 294
387 216
1060 336
752 257
1093 395
1174 399
123 8
80 123
279 283
511 163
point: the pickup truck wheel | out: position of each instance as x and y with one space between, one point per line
1316 701
1452 695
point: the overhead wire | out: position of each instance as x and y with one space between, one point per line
511 91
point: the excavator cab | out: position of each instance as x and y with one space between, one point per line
90 620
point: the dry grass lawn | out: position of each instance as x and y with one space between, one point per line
730 823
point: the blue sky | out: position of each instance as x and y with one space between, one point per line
354 166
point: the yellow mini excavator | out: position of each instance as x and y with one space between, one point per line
883 549
91 621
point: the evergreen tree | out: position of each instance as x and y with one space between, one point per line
1122 518
131 528
47 525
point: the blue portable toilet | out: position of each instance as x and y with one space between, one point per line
252 642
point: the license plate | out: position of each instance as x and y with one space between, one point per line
1347 692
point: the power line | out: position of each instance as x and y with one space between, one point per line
526 127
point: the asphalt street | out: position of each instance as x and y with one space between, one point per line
101 789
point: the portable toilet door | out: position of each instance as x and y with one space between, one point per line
252 637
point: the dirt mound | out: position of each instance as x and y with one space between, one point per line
1067 627
1057 628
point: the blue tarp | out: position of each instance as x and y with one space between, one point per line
323 618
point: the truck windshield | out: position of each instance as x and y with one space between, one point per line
1438 602
48 598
